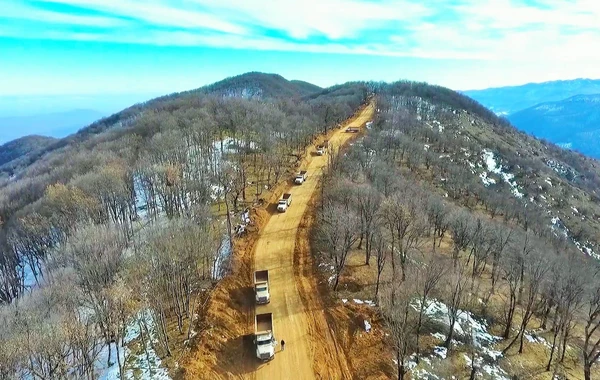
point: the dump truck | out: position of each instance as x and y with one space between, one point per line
322 149
261 287
352 130
264 338
300 177
284 202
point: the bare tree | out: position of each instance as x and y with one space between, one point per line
380 246
591 346
339 229
511 267
455 296
368 201
96 254
570 289
462 232
536 266
437 214
427 276
397 313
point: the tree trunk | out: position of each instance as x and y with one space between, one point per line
587 369
552 351
448 341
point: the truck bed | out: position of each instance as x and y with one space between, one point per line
261 276
264 322
286 196
302 172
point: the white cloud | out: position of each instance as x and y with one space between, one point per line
157 14
503 30
23 12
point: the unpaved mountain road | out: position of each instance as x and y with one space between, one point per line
298 318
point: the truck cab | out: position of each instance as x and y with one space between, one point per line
300 177
265 346
262 294
284 202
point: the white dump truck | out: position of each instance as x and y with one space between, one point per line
284 202
300 177
264 337
261 287
322 149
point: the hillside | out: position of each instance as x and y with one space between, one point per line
508 100
22 149
437 241
253 85
572 122
469 249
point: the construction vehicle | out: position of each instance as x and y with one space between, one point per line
264 338
352 130
322 149
300 177
261 287
284 202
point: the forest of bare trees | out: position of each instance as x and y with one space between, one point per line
129 226
501 262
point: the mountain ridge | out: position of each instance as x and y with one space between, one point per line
510 99
573 122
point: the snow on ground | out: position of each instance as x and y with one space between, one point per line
218 269
467 327
533 338
442 352
466 322
144 366
486 180
586 248
439 336
494 167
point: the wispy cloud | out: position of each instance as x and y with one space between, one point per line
518 30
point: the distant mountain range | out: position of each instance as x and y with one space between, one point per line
566 113
508 100
573 123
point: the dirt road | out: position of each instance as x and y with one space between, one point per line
275 252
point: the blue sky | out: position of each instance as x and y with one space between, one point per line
151 47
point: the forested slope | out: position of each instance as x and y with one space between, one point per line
477 242
126 221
